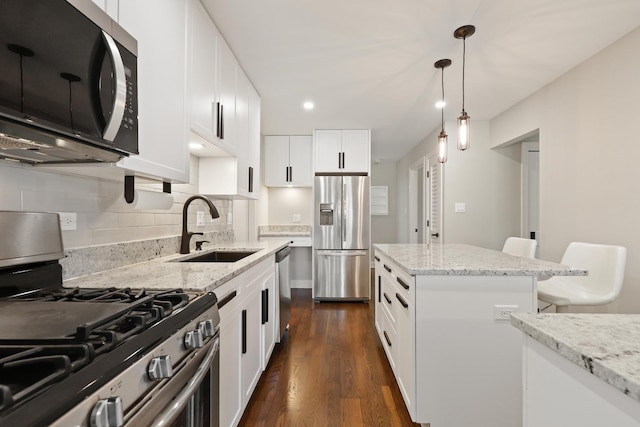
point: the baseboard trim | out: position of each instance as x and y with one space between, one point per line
301 284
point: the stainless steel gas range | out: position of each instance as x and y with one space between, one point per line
98 357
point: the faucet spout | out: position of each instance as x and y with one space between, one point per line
186 235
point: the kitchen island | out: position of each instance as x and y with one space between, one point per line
580 369
442 313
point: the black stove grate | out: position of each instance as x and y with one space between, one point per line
42 353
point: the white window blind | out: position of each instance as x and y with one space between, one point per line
379 200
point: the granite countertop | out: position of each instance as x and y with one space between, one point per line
606 345
286 230
466 260
161 273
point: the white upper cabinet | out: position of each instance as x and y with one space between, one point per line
225 114
288 161
202 70
227 79
237 177
162 56
342 151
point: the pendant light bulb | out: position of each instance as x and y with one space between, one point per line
464 140
443 146
443 143
463 131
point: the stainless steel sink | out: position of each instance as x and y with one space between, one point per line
217 256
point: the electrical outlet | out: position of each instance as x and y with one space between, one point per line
68 221
297 218
460 207
503 312
200 219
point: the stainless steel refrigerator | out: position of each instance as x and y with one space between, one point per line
342 239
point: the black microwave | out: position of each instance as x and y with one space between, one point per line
68 83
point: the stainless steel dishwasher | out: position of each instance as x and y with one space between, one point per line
283 308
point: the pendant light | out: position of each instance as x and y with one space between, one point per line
442 137
464 119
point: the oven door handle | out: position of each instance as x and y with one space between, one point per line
172 412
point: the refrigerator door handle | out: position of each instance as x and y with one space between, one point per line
344 214
342 253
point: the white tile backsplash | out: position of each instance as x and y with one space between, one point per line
103 216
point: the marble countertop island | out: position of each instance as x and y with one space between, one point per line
165 273
466 260
606 345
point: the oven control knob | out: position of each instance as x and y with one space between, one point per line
159 368
207 328
193 339
108 413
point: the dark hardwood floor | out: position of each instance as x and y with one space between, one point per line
329 370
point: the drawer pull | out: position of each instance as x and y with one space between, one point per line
387 268
226 299
404 285
379 288
387 298
403 302
386 337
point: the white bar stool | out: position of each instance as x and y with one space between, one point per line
605 264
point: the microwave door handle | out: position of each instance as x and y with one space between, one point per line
179 403
120 99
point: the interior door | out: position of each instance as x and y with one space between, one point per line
436 197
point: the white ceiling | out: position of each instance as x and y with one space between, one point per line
369 63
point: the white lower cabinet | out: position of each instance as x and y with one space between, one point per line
269 300
242 337
395 322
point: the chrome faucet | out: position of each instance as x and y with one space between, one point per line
186 235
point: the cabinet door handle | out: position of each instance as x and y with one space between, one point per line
250 179
387 298
379 288
387 268
244 331
343 160
386 337
290 173
265 306
221 121
218 125
286 179
404 285
402 301
377 259
339 160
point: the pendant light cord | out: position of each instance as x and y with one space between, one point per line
464 55
442 111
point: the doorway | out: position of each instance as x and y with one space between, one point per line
418 215
530 222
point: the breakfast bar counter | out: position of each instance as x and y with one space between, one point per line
580 369
442 314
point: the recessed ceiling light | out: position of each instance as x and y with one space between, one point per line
441 104
308 105
195 145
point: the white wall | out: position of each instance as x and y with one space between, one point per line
284 202
103 216
383 227
589 153
487 180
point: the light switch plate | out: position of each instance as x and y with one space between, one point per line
461 207
229 218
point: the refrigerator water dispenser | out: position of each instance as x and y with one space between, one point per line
326 213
